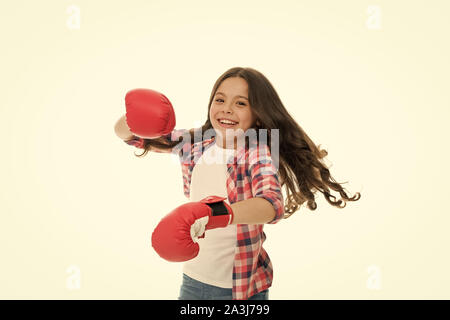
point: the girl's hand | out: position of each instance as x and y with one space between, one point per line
149 113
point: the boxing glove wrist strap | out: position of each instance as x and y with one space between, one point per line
221 213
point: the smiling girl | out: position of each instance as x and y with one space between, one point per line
228 260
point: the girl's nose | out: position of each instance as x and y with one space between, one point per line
227 108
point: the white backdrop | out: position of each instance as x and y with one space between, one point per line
368 81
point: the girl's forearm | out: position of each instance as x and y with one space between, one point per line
253 211
122 130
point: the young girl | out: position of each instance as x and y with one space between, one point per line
231 262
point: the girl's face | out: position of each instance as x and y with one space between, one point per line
231 102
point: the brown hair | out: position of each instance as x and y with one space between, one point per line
301 169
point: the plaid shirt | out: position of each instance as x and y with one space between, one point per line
251 174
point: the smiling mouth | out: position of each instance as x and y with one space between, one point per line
227 123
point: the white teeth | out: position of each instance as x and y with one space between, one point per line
227 122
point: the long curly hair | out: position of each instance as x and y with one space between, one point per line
301 169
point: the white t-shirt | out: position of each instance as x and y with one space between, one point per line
214 263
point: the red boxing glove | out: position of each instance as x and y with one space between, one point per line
175 237
149 113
